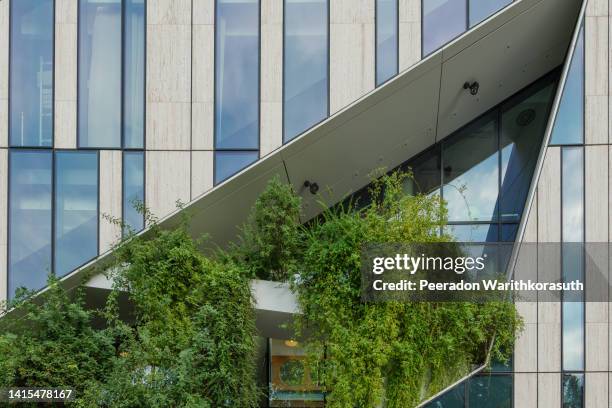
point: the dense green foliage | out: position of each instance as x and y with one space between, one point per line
54 344
388 353
189 339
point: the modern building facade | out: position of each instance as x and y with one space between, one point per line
104 103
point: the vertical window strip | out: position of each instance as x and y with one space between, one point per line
387 33
237 76
305 65
76 209
111 73
31 73
133 191
30 242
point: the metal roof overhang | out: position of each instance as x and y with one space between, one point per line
392 123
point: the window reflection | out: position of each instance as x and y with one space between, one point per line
386 40
134 74
492 391
237 75
523 121
569 123
30 189
76 209
229 163
454 398
99 99
470 172
474 232
573 390
443 20
306 65
31 73
133 190
481 9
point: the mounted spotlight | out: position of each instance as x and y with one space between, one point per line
312 187
473 87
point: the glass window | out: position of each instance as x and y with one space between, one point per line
386 40
237 75
293 382
573 390
523 123
481 9
30 189
443 20
426 173
134 74
306 65
229 163
492 391
470 171
474 232
99 65
572 194
569 123
454 398
76 209
31 72
133 190
572 214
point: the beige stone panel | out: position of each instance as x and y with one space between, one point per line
525 390
596 390
549 197
65 69
549 390
597 8
110 197
204 12
271 127
4 49
528 310
596 119
409 33
169 12
65 136
351 11
596 191
202 125
526 349
168 63
351 63
596 55
272 62
168 126
549 336
3 222
3 122
204 63
201 172
167 180
610 193
596 346
66 11
271 120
